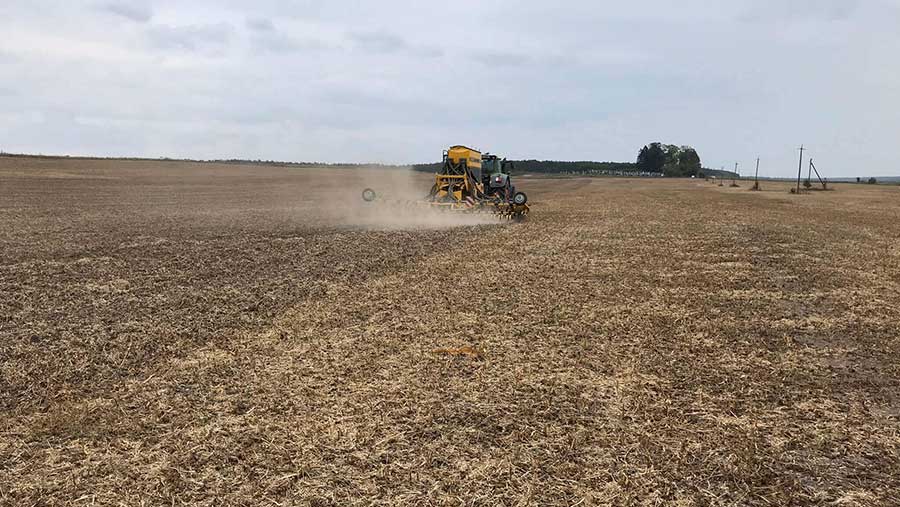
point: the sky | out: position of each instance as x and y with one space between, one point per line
396 81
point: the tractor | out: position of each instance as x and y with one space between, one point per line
470 181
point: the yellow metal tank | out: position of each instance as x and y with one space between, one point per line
460 153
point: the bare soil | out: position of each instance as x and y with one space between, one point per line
201 334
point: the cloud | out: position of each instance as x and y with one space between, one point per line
260 25
378 42
7 57
133 10
266 38
501 58
429 52
195 38
276 43
386 43
762 11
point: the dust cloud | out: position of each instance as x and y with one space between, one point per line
395 207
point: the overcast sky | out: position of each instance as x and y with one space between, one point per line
397 81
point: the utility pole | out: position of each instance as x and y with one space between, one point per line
756 184
736 170
800 169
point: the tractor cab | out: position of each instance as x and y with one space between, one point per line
492 164
496 179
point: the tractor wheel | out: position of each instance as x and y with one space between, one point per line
520 198
368 195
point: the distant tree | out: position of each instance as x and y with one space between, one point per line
689 162
671 166
670 159
873 181
857 179
652 158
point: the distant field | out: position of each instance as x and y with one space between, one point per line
177 333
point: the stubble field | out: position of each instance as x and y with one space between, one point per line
199 334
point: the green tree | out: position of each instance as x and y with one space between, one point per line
652 158
689 162
671 167
672 160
